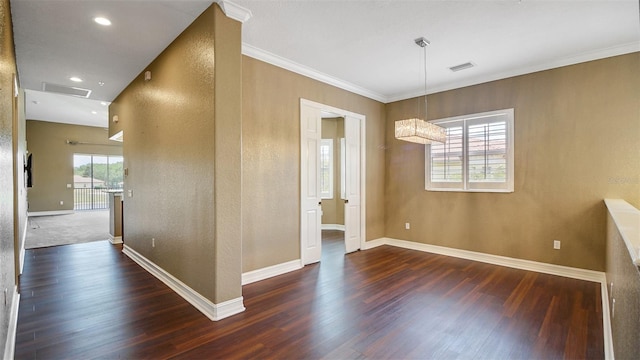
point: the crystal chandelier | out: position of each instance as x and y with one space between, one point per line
418 130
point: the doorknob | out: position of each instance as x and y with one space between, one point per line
346 201
320 203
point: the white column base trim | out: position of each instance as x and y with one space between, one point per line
115 239
50 213
333 227
606 321
271 271
213 311
10 343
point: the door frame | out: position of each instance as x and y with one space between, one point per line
363 177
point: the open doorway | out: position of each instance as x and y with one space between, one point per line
332 184
313 179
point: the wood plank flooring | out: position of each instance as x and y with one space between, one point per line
90 301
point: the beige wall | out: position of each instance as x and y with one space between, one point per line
180 129
271 160
52 162
576 143
333 209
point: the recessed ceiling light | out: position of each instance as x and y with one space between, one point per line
101 83
94 112
75 79
103 103
102 21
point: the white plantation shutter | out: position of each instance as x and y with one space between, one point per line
478 154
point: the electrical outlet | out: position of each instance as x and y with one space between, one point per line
68 186
61 202
130 193
556 244
153 242
407 226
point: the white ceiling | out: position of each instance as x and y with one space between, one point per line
364 46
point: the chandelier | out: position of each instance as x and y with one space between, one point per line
418 130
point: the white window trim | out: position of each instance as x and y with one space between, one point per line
328 194
465 185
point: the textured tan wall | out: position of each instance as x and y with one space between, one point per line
7 259
271 159
52 166
576 143
171 126
333 209
625 324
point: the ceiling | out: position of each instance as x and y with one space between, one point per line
366 47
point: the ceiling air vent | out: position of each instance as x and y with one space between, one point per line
66 90
464 66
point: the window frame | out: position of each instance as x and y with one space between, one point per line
465 185
327 195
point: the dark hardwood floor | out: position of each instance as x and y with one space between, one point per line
90 301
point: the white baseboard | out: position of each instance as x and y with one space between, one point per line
606 321
213 311
10 343
545 268
50 213
115 239
270 271
22 243
333 227
374 243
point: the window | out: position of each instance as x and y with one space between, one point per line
477 157
326 168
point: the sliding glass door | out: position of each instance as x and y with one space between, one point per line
93 176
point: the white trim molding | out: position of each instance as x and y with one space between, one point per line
213 311
545 268
374 243
271 271
22 243
234 11
339 227
606 320
279 61
10 342
115 239
50 213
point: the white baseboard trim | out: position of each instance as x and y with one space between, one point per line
270 271
374 243
115 239
545 268
10 343
606 321
333 227
213 311
22 243
50 213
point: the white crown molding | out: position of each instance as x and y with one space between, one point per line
234 11
273 59
213 311
270 271
557 63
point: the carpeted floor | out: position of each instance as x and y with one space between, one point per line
80 227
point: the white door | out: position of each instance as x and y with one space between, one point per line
310 222
352 219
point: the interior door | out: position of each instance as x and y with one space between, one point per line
352 235
310 222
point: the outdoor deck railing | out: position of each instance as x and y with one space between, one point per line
90 199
